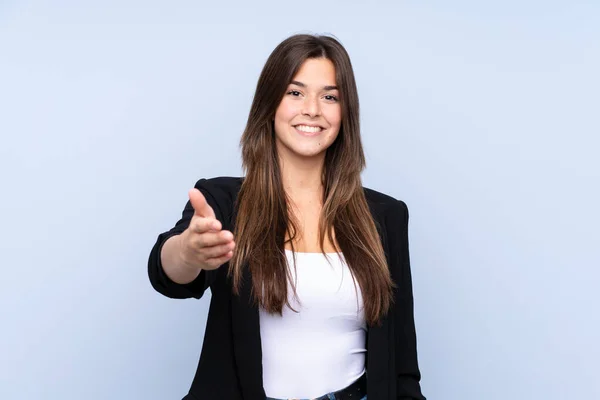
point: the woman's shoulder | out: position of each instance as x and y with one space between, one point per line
385 205
224 184
220 192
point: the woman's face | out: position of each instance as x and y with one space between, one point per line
308 119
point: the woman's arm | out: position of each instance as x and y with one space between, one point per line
165 252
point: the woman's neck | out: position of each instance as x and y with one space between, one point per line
302 178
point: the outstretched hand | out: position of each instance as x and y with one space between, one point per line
204 243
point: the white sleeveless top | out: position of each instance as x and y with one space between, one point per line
321 348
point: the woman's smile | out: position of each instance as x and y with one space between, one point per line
307 130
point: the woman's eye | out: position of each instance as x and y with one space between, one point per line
294 93
331 97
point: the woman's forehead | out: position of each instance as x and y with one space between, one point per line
316 73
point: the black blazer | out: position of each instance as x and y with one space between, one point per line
230 365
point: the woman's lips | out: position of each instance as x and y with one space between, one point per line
308 130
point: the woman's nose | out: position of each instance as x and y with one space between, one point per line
311 107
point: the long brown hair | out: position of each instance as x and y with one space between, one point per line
263 215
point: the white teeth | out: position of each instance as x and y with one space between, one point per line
308 129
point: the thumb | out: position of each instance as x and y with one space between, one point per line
200 205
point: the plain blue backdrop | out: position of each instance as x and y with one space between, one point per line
483 117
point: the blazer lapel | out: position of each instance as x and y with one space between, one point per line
246 341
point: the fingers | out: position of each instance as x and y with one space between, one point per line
211 248
200 205
206 243
218 251
209 239
217 261
204 225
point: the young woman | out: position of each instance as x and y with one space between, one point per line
309 271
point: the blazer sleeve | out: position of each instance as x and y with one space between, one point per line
407 369
158 278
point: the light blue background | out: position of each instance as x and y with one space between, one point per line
484 118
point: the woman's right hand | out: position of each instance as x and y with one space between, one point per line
204 244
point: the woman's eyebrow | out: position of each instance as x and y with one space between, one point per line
328 87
